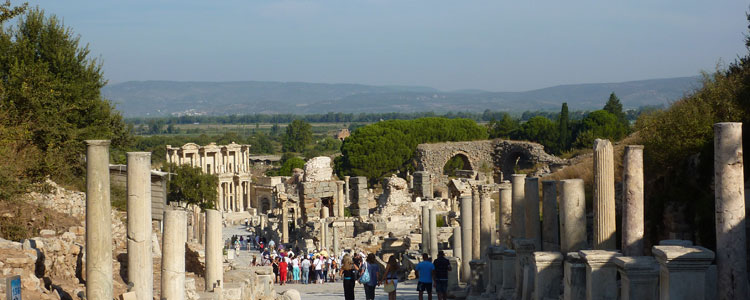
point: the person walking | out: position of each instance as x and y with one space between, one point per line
319 269
305 265
373 270
295 269
442 267
348 273
283 270
425 270
275 266
390 277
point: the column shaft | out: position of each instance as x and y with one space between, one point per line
506 214
425 229
487 222
173 258
604 196
572 216
517 228
457 249
98 222
532 227
476 227
433 234
550 221
214 247
140 259
466 243
632 212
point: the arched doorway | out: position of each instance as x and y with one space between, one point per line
516 162
265 205
457 163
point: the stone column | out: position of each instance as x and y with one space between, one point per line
477 276
323 234
214 250
682 271
604 196
285 223
639 276
466 237
487 222
601 273
98 222
476 225
335 238
548 274
173 257
140 259
550 221
505 212
346 191
524 279
340 199
572 216
425 229
532 226
731 248
632 211
518 212
574 283
433 234
457 249
509 274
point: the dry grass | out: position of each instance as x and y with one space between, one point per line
583 164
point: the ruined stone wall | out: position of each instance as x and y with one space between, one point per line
432 157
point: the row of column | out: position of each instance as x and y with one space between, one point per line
99 277
429 231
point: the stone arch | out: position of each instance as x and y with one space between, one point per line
511 156
433 157
463 157
265 205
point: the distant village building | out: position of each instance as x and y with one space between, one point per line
229 162
343 134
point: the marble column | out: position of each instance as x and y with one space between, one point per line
518 211
466 237
335 240
425 229
346 191
173 256
477 277
505 212
731 248
532 226
550 221
340 199
457 249
323 234
639 277
574 277
214 250
487 222
98 222
285 223
604 196
140 257
433 234
572 216
682 271
632 201
548 274
601 273
476 227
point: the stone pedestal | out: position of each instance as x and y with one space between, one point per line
524 277
572 216
477 276
98 222
574 277
495 274
682 271
423 185
487 222
214 246
173 258
505 212
454 273
457 249
359 196
466 237
476 226
140 257
548 274
509 274
518 211
433 234
604 196
632 199
601 273
550 221
425 229
731 247
639 277
531 216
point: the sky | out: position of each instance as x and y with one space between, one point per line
494 45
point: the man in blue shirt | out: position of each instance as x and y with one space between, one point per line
425 271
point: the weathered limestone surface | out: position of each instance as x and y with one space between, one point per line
731 248
532 227
98 222
574 286
509 274
495 274
140 259
423 185
359 196
548 272
604 195
487 223
433 234
518 217
173 258
550 220
477 276
395 191
466 236
601 273
632 212
572 216
457 241
214 245
318 169
682 271
425 229
476 226
639 276
524 277
506 215
455 273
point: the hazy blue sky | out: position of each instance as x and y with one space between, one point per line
493 45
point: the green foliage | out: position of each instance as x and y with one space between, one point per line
458 162
287 166
190 185
599 124
505 128
614 106
388 146
261 143
8 12
298 134
541 130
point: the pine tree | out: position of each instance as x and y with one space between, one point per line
563 126
614 106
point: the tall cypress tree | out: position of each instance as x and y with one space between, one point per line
563 126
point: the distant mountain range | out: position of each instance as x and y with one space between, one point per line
169 98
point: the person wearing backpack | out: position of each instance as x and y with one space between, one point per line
348 273
369 276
